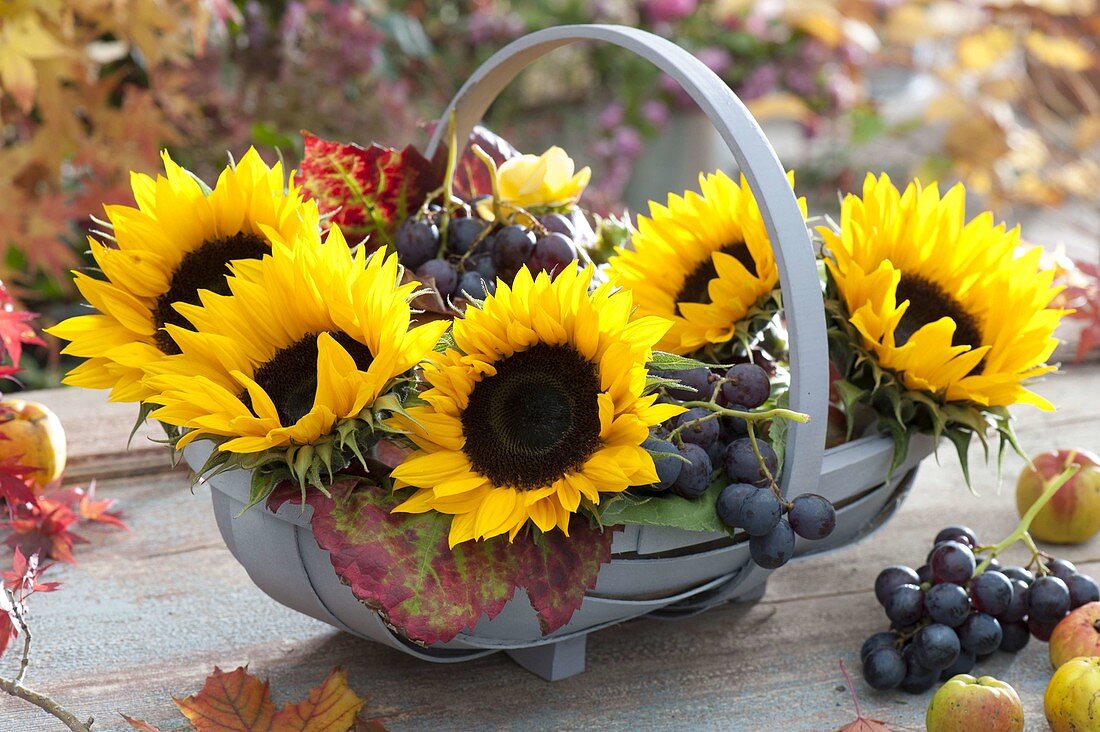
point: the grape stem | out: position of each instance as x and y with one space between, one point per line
763 463
749 417
1020 532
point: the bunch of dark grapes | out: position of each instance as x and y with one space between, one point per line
944 617
477 252
720 448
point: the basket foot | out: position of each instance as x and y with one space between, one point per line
552 661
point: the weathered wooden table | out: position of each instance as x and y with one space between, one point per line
148 613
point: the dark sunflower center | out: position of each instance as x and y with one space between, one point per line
928 303
203 269
290 377
534 420
695 284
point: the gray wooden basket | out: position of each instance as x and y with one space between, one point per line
653 570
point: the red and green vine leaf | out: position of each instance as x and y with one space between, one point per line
400 565
368 191
471 175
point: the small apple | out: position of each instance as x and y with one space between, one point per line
32 436
1077 634
1073 514
965 704
1072 700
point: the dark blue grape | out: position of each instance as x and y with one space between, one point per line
1082 589
462 233
952 562
948 604
512 247
980 634
991 592
473 284
883 639
1041 629
729 502
994 565
1014 636
741 463
668 467
924 572
416 242
963 665
697 384
1063 569
884 669
760 512
892 577
952 533
812 516
1047 599
483 264
918 679
936 646
1017 606
905 605
694 475
442 272
702 434
559 223
1019 573
734 427
775 548
552 253
748 384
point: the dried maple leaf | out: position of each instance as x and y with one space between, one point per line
239 702
368 191
861 723
99 511
401 565
139 724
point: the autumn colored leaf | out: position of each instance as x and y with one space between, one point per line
22 579
99 510
15 332
368 191
471 175
15 488
139 724
401 565
44 529
239 702
861 723
9 631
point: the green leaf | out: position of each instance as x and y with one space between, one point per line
661 361
665 510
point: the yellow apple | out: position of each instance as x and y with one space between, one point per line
1073 513
31 435
966 704
1072 701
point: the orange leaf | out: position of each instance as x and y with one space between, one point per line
140 724
330 707
239 702
230 702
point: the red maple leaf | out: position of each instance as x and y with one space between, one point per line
1083 294
15 332
42 527
9 630
15 485
99 511
23 577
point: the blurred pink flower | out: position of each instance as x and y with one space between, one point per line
669 11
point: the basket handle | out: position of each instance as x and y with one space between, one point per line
766 177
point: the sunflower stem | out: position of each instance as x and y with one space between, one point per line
1020 533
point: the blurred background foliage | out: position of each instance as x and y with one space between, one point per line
1003 95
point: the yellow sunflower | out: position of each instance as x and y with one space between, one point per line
178 241
312 335
947 304
540 405
702 262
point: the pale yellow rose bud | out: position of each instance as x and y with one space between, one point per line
547 180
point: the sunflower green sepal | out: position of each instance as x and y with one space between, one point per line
900 411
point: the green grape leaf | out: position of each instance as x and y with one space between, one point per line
665 510
661 361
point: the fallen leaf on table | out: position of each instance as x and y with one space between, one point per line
237 701
861 723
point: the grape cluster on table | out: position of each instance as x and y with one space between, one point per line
477 251
721 448
945 617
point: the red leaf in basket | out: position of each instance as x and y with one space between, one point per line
471 175
368 191
400 565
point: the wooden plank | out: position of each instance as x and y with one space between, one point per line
147 614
